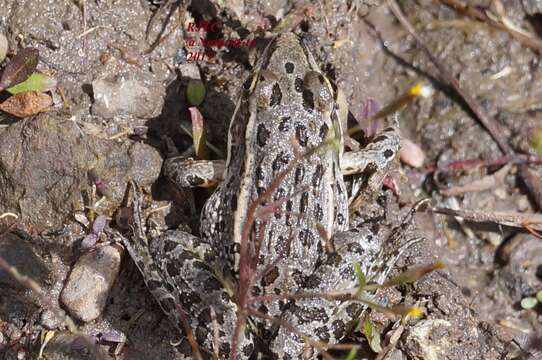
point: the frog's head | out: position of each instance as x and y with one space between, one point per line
288 74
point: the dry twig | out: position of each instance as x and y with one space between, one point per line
507 218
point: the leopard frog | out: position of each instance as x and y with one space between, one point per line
283 177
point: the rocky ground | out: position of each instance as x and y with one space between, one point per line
122 70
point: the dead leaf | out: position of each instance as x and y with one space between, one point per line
27 104
21 66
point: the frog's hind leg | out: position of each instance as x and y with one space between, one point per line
327 320
179 271
318 317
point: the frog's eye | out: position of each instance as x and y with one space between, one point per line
268 93
317 92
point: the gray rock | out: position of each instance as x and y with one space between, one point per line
88 285
19 253
130 97
428 340
49 320
44 165
532 7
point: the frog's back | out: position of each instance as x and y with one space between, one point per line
287 108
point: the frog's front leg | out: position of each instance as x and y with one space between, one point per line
187 172
182 273
373 160
319 318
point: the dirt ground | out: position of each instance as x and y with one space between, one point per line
123 68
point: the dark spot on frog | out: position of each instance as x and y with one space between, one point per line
276 95
306 315
340 219
194 180
323 131
306 238
169 245
262 135
205 316
248 82
260 190
289 67
353 309
298 277
379 139
334 259
317 176
308 100
263 309
281 159
313 282
256 291
298 84
304 202
339 188
167 304
318 212
236 248
299 174
224 350
301 134
211 284
270 277
323 333
280 193
375 228
247 350
221 225
338 327
172 269
233 202
289 206
388 153
284 123
169 287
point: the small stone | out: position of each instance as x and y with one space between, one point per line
131 97
49 320
19 253
87 288
429 340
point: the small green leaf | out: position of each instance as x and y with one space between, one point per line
528 303
352 354
362 281
372 336
535 139
36 82
195 92
539 296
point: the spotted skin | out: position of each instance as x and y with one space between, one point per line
285 117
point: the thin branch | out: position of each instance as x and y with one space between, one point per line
507 218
